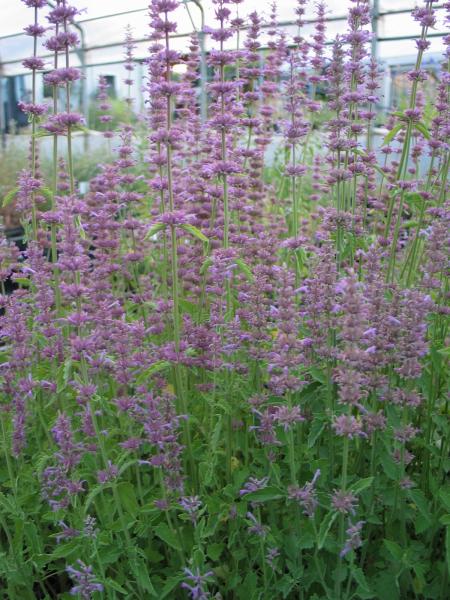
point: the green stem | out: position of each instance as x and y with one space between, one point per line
176 317
342 517
33 135
116 496
8 458
402 169
317 562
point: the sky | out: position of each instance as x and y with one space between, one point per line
14 15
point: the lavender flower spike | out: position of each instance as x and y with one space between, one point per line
196 586
353 540
85 581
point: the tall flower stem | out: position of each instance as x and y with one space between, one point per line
116 496
11 476
69 129
226 200
176 317
345 455
402 168
33 133
53 228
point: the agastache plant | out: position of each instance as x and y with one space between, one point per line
224 366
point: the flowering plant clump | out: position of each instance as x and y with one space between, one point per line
225 375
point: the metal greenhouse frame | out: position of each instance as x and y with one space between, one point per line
84 49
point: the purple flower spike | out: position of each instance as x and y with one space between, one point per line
306 496
353 541
253 485
344 502
191 504
84 580
197 583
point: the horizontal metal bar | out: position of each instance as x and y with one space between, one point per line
11 35
140 60
263 26
403 11
135 41
399 38
111 16
98 47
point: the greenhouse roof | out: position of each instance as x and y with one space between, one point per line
103 23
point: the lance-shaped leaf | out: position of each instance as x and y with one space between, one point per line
264 495
154 368
79 226
244 268
391 135
195 232
154 229
361 485
10 196
423 129
325 528
205 266
48 195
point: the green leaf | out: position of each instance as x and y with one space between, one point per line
171 584
414 199
43 133
66 550
79 226
391 135
8 504
63 375
360 579
444 495
167 535
110 553
423 129
375 520
91 496
48 195
319 375
9 198
386 585
247 589
126 466
160 365
195 232
205 266
215 440
128 498
420 500
325 528
390 467
140 571
244 268
23 281
361 485
188 307
447 546
34 539
264 495
115 586
394 549
214 551
316 431
154 229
